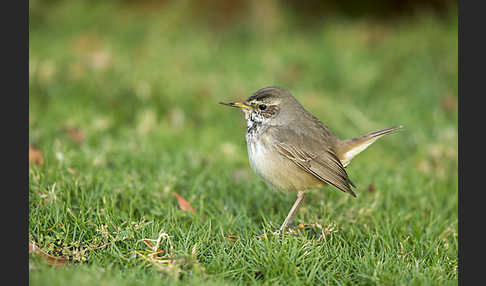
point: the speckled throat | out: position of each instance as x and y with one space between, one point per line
255 125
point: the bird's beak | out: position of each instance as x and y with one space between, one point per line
238 104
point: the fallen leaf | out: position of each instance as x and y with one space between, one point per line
183 204
75 134
52 260
448 103
35 156
371 187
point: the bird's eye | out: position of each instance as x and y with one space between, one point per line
262 107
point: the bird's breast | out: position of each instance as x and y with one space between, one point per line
276 170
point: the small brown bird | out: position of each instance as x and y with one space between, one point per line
291 150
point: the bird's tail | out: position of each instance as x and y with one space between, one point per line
347 149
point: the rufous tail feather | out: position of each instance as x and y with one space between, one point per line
349 148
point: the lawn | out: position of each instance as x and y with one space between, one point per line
124 116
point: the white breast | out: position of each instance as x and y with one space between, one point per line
270 167
277 171
256 155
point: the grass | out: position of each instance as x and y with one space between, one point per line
123 106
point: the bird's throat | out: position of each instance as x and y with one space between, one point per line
253 123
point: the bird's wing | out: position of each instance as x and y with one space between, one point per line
315 158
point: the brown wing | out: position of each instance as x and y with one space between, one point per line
316 158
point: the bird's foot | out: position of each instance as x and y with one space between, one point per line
290 229
293 229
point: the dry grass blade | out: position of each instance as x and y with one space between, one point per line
160 258
52 260
147 243
228 236
184 205
231 237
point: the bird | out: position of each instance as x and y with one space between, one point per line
293 151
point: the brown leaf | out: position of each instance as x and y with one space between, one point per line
52 260
75 134
183 204
371 187
448 103
35 156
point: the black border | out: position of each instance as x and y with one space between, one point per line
471 81
15 137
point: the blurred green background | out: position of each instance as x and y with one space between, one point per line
123 105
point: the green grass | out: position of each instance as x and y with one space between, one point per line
143 89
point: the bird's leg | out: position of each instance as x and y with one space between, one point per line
290 217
